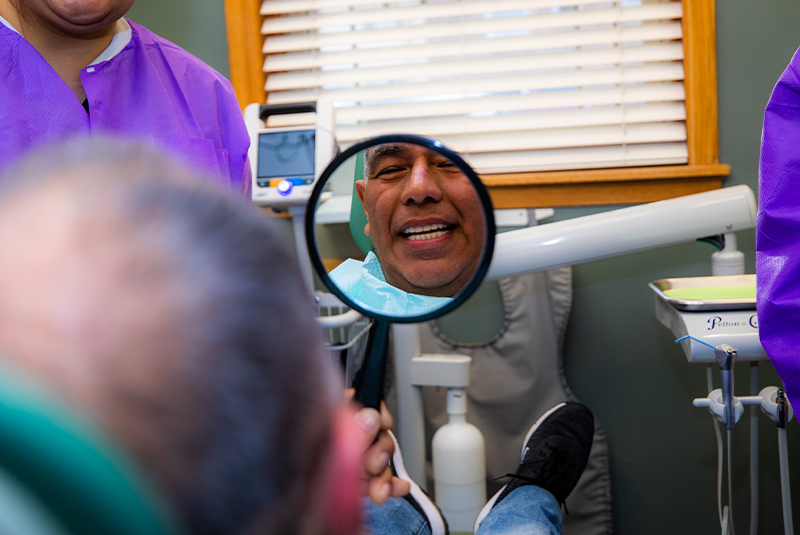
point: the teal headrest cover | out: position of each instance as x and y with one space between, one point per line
87 486
358 219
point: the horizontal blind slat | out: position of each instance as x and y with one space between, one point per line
566 137
584 58
581 158
361 56
658 92
649 73
281 7
438 127
309 41
428 11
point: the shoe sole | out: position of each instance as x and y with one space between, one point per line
531 431
431 512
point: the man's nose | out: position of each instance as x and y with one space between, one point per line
423 185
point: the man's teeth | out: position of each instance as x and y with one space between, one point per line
429 236
426 232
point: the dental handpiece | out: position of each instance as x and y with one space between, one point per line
726 358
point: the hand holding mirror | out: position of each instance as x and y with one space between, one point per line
420 240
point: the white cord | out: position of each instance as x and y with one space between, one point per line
754 451
710 377
785 494
730 481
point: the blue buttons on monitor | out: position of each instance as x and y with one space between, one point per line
285 186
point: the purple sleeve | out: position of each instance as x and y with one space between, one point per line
207 106
778 231
236 140
247 180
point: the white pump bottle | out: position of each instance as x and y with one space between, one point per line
459 462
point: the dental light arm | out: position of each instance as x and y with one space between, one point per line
619 232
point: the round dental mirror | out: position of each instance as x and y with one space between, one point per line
401 229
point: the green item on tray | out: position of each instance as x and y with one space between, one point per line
709 293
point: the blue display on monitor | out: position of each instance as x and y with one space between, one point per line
283 154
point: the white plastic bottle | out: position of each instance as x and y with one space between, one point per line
459 466
728 261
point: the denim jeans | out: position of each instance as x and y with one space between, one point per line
528 510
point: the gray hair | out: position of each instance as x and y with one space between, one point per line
253 380
376 151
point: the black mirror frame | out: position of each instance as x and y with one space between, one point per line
483 194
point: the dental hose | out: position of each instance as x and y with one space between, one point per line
783 455
754 450
785 493
710 378
730 482
726 355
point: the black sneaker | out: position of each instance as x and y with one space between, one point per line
417 497
554 454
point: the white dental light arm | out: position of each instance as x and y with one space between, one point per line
624 231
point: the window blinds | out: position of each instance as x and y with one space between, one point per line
514 85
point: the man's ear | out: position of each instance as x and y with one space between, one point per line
345 485
361 191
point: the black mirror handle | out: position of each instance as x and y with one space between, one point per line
369 382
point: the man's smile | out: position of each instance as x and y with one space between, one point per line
427 232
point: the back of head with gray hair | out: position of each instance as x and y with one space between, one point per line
231 414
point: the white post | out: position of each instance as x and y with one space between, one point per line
298 214
410 420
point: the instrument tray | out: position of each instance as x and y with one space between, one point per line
730 292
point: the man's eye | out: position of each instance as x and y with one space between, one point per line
450 168
389 172
447 165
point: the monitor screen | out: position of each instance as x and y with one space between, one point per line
286 154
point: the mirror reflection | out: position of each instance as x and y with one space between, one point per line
418 222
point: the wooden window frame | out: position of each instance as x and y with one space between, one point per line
626 185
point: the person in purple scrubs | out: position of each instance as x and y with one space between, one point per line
77 67
778 231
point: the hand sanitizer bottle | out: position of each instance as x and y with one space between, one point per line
459 466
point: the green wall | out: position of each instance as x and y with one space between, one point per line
619 360
196 25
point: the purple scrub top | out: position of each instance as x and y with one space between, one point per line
151 90
778 231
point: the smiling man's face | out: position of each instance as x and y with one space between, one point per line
425 219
